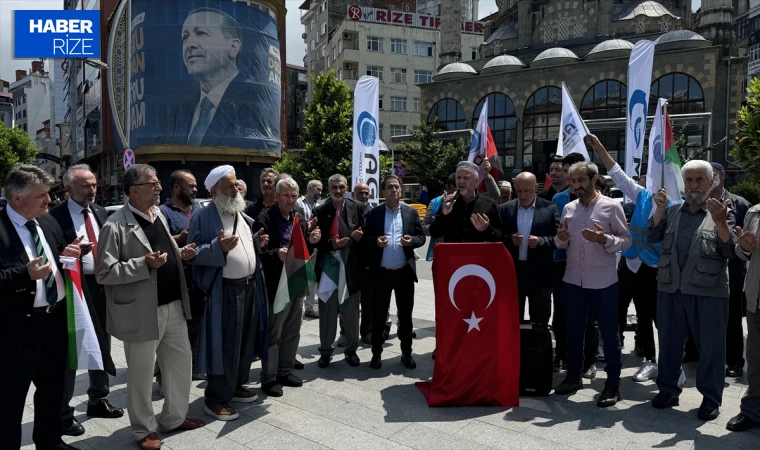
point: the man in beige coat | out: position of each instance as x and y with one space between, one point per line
140 266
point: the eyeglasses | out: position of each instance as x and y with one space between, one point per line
154 183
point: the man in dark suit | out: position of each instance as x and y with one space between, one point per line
79 217
392 232
33 317
224 109
530 225
285 326
340 221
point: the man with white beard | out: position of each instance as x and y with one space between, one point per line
228 270
698 239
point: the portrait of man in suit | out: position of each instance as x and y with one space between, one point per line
220 110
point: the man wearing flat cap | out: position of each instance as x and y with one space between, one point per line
228 269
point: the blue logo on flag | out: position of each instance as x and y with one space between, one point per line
657 149
638 121
57 34
367 126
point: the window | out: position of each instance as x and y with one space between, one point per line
416 104
548 35
323 7
340 74
340 46
540 123
578 30
664 26
563 32
398 103
380 131
605 100
313 25
24 113
24 127
398 130
502 120
324 47
398 46
335 54
640 29
683 92
398 75
375 71
375 44
415 129
449 114
311 45
323 29
475 53
423 76
380 104
423 48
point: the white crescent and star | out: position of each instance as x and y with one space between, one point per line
475 271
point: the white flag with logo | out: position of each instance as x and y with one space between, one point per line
639 82
573 129
365 162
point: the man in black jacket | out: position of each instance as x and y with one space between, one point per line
79 216
340 222
530 225
392 232
33 317
285 326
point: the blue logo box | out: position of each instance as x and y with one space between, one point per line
56 34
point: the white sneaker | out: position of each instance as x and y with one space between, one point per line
647 371
682 379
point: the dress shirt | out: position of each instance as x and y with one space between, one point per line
630 189
306 207
524 225
393 253
241 260
77 217
215 96
591 265
40 296
285 227
153 209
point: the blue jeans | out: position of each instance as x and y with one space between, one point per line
580 304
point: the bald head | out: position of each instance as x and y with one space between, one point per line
525 186
361 192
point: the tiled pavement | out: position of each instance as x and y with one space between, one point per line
359 408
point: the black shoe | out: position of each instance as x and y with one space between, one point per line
433 354
414 335
408 361
290 380
72 427
324 361
664 400
742 423
376 362
708 410
568 385
610 395
386 333
200 377
353 360
734 371
298 365
104 409
272 389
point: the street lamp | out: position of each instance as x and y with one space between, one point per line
100 65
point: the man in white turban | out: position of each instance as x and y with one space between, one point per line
228 269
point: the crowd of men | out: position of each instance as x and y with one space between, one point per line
191 291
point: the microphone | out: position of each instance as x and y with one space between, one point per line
456 196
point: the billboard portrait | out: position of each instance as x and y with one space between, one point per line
204 73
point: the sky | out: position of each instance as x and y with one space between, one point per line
294 51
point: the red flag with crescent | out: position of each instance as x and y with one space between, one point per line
477 327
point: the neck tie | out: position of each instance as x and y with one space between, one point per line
50 288
204 120
91 236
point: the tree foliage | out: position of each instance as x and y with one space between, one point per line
747 141
748 190
430 160
15 148
327 132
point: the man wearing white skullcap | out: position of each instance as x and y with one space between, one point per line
228 270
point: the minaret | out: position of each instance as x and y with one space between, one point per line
716 22
450 32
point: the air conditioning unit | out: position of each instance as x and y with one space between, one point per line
348 66
303 35
347 36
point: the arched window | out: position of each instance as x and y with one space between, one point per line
450 114
606 100
541 128
502 120
685 96
563 30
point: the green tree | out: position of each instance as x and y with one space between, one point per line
327 132
15 148
747 141
431 160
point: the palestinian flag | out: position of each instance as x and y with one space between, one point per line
84 349
664 162
297 272
332 284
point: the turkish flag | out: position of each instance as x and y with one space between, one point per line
477 327
548 182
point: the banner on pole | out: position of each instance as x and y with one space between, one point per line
573 129
365 161
639 82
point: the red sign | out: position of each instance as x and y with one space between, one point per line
406 19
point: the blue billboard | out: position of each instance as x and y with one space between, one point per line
204 73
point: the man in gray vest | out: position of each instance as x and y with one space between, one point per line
698 239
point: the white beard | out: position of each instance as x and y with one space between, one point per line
696 198
230 205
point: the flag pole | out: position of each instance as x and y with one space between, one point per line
663 118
